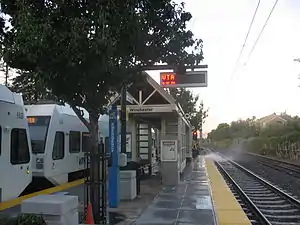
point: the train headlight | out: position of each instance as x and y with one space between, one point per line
27 171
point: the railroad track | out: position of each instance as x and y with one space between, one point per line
281 166
262 202
288 168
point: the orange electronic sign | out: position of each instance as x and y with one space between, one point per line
167 78
31 120
189 79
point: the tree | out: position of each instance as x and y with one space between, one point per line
220 133
188 102
237 129
31 87
2 33
85 51
185 98
5 70
271 139
198 118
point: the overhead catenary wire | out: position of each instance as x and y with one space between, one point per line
262 30
249 55
245 41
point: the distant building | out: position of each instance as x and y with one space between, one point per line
271 120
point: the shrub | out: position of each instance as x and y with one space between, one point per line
23 219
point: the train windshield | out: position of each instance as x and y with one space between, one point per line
38 127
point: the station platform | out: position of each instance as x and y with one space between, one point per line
201 198
12 208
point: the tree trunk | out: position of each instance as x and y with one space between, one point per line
98 172
6 74
94 170
93 128
95 185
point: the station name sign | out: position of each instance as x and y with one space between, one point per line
189 79
141 110
152 109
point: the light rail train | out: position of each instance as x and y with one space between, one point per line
15 147
42 145
58 140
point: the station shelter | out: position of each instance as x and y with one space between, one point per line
158 133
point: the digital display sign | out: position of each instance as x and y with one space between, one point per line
167 78
31 120
189 79
38 120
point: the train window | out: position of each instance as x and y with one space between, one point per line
59 146
74 141
38 129
85 141
19 150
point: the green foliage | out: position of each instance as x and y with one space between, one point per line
198 118
223 143
279 140
23 219
255 144
84 51
221 133
188 102
185 98
31 87
95 47
293 124
292 136
237 129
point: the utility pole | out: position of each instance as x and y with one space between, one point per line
6 74
123 118
298 60
4 68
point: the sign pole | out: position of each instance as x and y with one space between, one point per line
114 173
123 118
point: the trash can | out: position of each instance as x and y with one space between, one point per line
132 165
128 184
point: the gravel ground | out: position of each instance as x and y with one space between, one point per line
282 180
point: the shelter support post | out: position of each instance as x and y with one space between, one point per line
170 170
189 144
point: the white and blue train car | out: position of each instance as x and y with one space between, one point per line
15 148
58 139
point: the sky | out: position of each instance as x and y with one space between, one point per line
268 82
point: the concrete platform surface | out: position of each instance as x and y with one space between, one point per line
202 197
126 213
188 203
